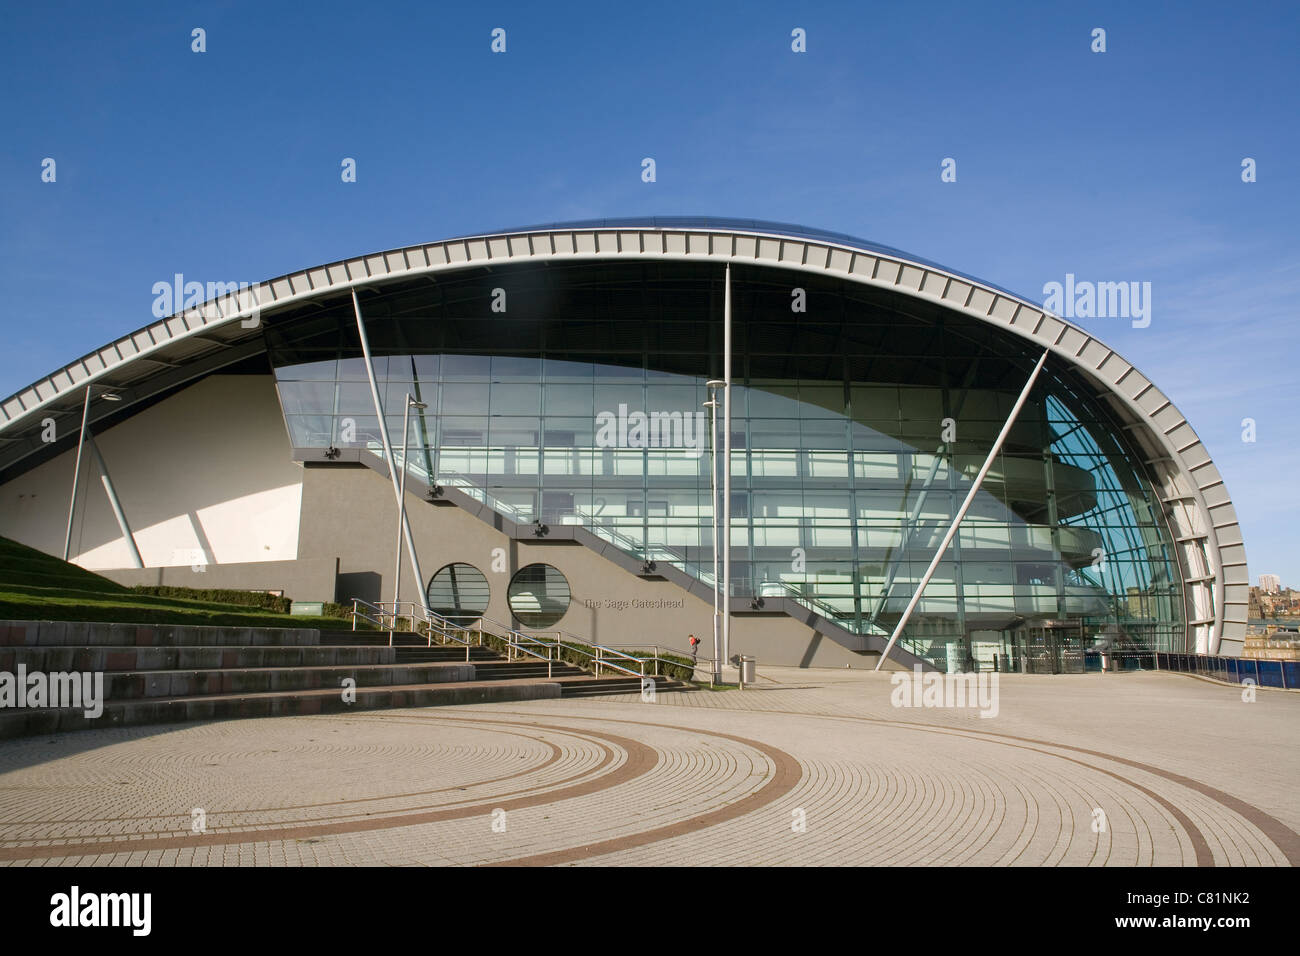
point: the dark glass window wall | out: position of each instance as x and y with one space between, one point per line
857 427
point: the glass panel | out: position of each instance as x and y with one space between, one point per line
538 595
459 592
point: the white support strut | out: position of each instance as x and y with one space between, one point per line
961 512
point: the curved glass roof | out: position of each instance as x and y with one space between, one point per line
758 226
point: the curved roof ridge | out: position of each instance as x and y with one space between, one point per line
138 344
763 227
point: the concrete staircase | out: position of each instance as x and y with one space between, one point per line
163 674
489 665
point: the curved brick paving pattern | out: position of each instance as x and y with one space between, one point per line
705 778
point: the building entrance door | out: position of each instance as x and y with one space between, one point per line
1052 647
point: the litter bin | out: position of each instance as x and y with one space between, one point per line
747 670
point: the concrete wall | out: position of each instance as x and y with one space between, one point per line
204 477
350 512
306 579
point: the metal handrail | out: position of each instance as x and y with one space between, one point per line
379 619
597 661
517 641
596 653
697 658
424 624
386 615
696 661
828 611
577 644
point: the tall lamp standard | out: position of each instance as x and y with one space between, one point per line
76 472
712 406
726 466
401 497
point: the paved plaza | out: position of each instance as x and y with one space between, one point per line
808 767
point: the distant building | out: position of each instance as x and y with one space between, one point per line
1136 603
1255 604
1270 583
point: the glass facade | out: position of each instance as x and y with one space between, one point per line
857 428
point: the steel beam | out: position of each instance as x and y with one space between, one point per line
117 505
965 506
76 474
388 451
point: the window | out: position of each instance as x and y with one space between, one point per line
459 592
538 595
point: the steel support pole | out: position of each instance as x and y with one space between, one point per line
726 468
117 505
401 506
388 447
961 512
76 474
716 669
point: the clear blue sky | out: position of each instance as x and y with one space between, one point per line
1123 165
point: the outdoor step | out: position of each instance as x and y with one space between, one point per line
94 634
192 683
445 653
23 722
370 638
505 670
597 687
404 641
396 638
157 674
501 662
125 658
634 682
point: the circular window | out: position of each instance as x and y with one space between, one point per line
538 595
459 592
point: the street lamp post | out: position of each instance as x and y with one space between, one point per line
76 471
712 406
726 467
401 500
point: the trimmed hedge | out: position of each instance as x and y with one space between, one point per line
344 611
673 666
258 599
269 602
